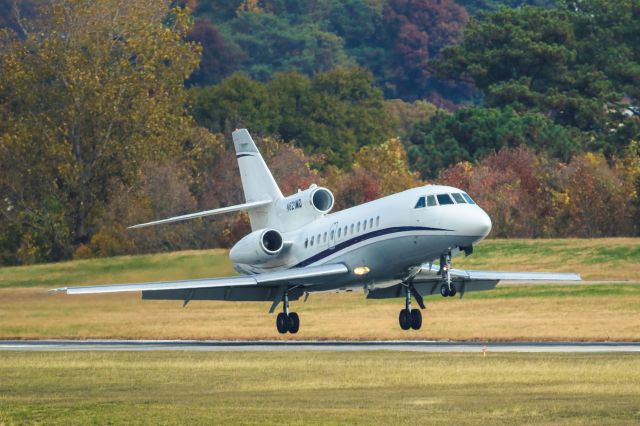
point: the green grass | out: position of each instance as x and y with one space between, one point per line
595 259
150 267
605 259
555 291
318 388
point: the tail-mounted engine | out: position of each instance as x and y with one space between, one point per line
258 247
299 209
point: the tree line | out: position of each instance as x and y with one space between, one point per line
114 113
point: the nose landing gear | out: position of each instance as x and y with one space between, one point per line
447 289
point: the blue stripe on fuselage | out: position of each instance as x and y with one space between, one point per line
344 244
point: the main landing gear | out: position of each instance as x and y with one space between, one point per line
287 321
447 289
411 318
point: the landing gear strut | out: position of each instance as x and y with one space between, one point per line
447 289
287 321
411 318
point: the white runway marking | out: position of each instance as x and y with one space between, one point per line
301 345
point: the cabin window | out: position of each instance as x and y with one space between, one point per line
458 198
358 230
306 243
420 203
371 223
378 221
325 237
466 197
318 238
444 199
346 228
339 232
431 201
364 224
332 234
311 242
352 228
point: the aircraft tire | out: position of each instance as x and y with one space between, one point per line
444 290
416 319
294 323
405 319
282 323
453 291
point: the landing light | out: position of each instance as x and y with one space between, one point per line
361 270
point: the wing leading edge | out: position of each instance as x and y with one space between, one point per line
429 272
300 276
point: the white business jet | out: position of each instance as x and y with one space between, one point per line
396 246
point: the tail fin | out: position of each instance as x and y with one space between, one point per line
257 182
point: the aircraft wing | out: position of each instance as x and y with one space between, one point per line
268 280
428 282
429 272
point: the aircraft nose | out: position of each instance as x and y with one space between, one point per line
483 223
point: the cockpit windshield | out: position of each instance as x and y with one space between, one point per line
466 197
444 199
458 197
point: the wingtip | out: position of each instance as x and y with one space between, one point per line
57 290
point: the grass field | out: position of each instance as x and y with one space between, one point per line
318 388
594 312
540 312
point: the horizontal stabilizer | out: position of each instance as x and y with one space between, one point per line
239 207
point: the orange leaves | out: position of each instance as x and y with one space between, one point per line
528 195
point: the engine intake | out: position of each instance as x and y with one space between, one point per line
271 241
322 200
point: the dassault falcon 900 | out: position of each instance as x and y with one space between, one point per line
397 246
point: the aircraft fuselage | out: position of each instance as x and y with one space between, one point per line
386 236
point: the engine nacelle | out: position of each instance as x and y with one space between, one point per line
310 203
258 247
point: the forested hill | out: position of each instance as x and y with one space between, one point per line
116 112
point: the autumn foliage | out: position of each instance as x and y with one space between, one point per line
119 112
528 195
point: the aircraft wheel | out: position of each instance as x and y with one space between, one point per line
282 323
416 319
294 323
452 292
444 290
405 319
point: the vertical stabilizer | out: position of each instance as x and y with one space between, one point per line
257 182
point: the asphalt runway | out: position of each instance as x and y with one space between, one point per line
301 345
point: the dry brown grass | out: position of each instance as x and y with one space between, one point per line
580 313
